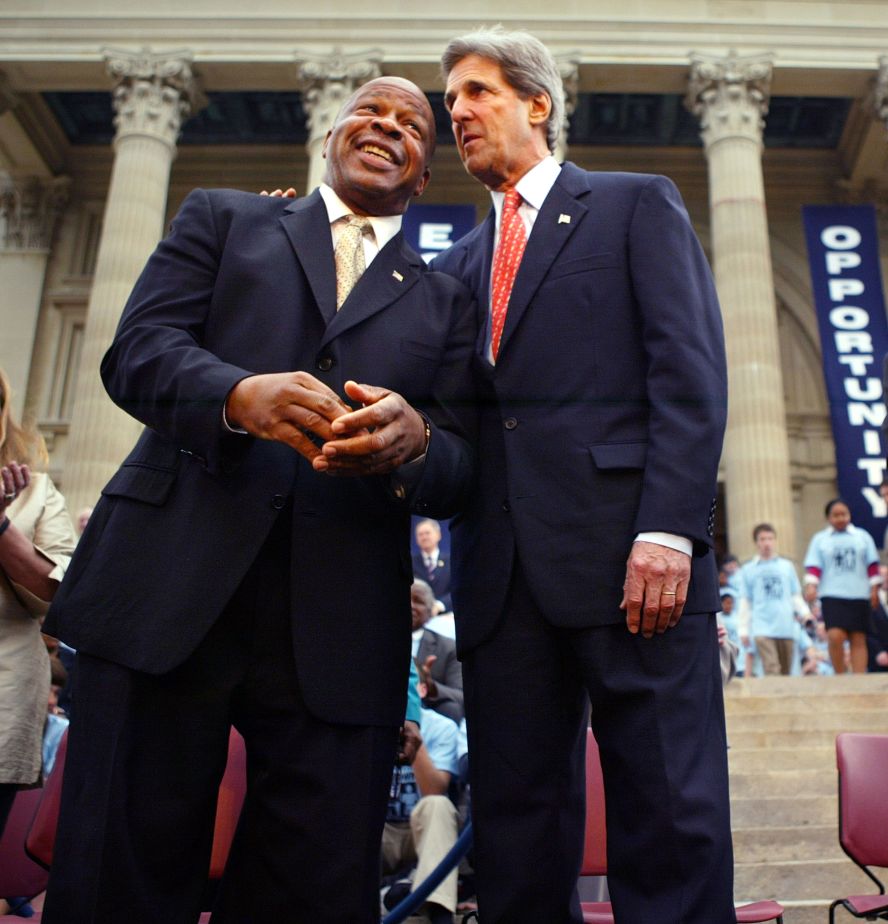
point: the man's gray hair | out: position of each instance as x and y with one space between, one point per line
526 63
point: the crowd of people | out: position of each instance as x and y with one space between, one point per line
835 622
248 565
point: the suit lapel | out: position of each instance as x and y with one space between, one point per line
307 226
393 272
557 220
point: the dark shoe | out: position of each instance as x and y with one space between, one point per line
437 914
397 893
20 906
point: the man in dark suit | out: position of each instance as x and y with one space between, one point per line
435 657
583 566
233 566
431 565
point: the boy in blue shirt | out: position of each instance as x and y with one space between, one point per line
771 598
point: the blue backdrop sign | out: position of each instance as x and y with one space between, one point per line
843 251
429 229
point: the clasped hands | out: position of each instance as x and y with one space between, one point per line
297 409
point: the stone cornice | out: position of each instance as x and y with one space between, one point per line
815 37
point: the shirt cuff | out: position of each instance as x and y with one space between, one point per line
670 540
228 426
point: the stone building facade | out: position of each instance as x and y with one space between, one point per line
112 110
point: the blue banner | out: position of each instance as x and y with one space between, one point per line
429 229
843 251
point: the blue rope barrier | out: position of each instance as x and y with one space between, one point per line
405 908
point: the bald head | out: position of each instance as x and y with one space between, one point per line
380 146
405 86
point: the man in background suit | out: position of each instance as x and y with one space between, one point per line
584 565
257 539
430 565
435 657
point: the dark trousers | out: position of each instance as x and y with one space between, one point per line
145 757
8 793
658 717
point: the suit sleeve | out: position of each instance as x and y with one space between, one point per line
686 375
156 369
447 674
441 486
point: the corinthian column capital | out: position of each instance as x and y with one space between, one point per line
569 69
328 80
880 91
729 95
30 206
154 93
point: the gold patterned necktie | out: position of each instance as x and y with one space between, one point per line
509 251
349 255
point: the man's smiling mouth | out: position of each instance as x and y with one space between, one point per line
378 152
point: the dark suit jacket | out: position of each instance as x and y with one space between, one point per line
246 284
604 414
446 672
439 581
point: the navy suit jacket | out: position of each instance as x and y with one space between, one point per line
604 414
245 284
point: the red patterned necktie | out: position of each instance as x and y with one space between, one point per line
506 260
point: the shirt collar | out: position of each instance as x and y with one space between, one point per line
385 227
849 529
533 187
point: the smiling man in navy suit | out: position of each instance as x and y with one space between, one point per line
232 566
583 566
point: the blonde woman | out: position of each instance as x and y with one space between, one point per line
36 542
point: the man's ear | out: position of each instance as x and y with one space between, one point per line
540 108
326 142
423 182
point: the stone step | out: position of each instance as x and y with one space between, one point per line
782 812
779 844
818 739
800 879
776 687
789 783
784 705
809 912
815 720
791 757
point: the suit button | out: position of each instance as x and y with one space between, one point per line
325 363
507 506
278 501
510 423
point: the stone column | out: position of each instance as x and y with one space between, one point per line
29 209
569 67
880 91
730 97
153 95
880 108
327 82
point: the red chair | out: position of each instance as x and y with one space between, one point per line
595 851
863 817
44 815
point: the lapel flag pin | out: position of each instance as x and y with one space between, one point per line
397 276
563 219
